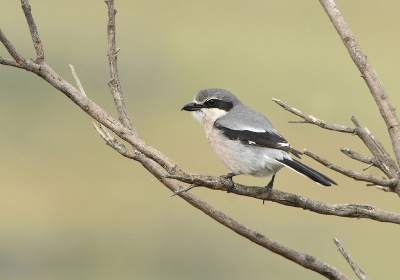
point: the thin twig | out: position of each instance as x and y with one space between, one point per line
11 49
368 167
382 149
183 190
382 162
357 156
313 120
360 274
352 174
114 83
9 62
78 82
34 33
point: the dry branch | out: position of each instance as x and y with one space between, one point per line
78 82
380 160
313 120
352 174
114 83
37 43
350 210
375 86
360 274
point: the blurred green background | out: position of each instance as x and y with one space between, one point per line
72 208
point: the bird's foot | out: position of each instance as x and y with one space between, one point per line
229 176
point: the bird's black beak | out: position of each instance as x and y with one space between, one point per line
192 107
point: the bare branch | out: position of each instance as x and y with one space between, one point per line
8 62
34 33
78 82
114 143
357 156
114 83
313 120
384 163
382 159
360 274
352 174
382 149
350 210
183 190
375 86
11 50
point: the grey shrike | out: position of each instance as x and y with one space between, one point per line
244 139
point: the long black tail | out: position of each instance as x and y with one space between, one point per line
307 171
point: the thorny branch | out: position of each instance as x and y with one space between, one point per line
164 169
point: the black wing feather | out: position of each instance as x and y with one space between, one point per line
263 139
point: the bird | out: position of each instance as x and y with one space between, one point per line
244 139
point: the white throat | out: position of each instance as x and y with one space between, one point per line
207 116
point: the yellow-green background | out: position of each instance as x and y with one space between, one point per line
72 208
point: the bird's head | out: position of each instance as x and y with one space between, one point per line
211 104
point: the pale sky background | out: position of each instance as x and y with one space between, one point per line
72 208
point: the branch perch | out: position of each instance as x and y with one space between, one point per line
350 210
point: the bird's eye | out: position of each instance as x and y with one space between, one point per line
212 103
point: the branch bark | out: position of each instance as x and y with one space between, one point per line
114 83
350 210
37 43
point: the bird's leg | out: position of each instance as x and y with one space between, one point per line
271 183
229 176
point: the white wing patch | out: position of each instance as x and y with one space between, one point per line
249 128
283 144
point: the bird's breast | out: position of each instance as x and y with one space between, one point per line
240 158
